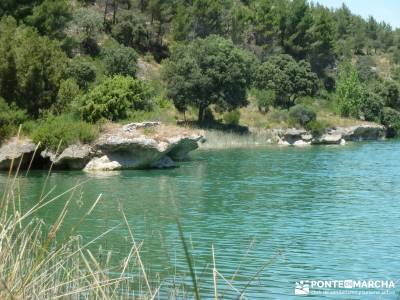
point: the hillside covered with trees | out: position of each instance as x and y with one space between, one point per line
69 66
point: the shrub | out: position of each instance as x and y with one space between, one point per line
232 117
301 115
130 30
113 98
371 106
264 99
278 116
68 91
366 68
391 119
82 71
317 127
349 91
120 60
389 90
66 128
10 118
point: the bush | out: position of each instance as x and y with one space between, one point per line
366 68
389 90
317 127
130 30
232 117
113 98
82 71
10 118
301 115
349 91
371 106
120 60
391 119
68 91
66 128
264 99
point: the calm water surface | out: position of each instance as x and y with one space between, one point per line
312 213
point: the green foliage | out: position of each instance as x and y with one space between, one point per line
349 91
208 71
366 68
389 91
66 128
31 67
50 17
67 93
391 119
287 78
371 106
10 118
130 30
120 60
316 127
322 46
113 98
88 23
278 116
232 117
264 99
301 114
82 71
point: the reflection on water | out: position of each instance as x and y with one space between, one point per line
333 212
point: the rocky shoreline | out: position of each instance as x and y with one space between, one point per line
123 147
155 145
334 136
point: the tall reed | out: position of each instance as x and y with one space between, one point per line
36 264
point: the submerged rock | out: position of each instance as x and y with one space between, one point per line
20 150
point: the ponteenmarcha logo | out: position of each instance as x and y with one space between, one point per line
302 288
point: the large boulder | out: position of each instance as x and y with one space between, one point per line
19 150
129 148
74 157
331 138
362 132
293 136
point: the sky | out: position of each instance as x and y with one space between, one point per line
381 10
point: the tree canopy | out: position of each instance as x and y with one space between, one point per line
208 71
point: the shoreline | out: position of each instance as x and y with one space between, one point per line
153 145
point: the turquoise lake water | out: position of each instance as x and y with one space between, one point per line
279 215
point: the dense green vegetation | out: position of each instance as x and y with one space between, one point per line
81 59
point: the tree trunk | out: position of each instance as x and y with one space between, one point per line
201 114
115 7
142 5
105 14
